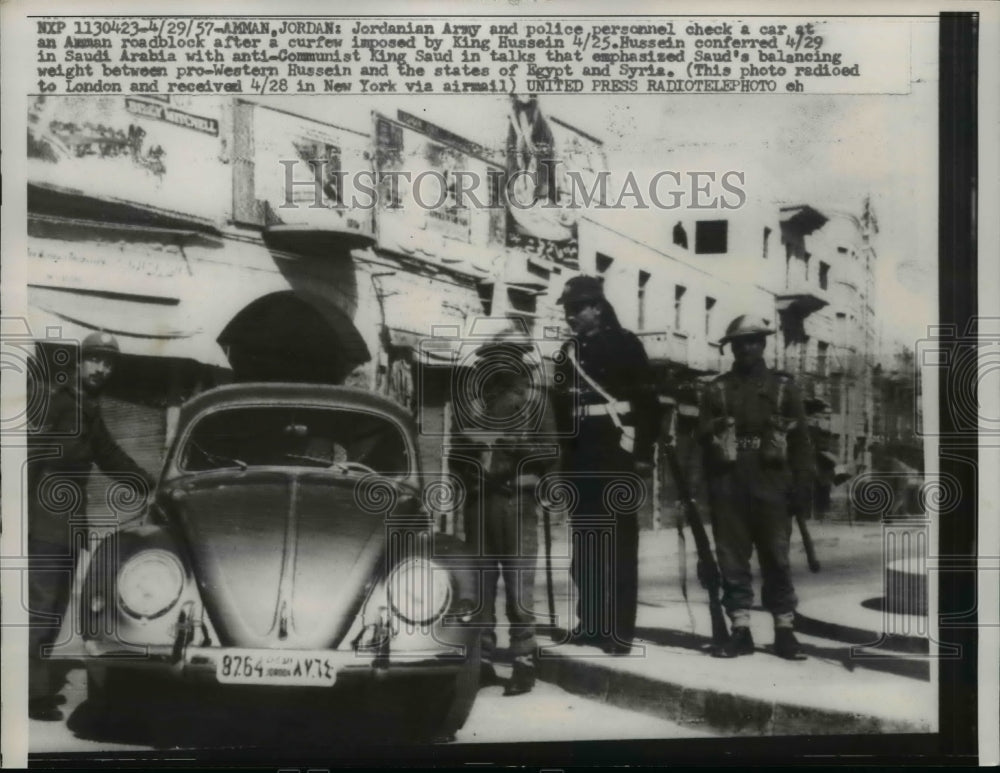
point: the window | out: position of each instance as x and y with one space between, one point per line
294 436
767 240
835 393
822 348
711 237
643 279
709 305
496 190
680 235
678 301
520 301
522 305
824 275
486 297
324 160
603 263
805 265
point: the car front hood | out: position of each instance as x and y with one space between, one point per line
283 558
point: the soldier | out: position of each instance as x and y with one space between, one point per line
612 405
503 460
758 462
74 428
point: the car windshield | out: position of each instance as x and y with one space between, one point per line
340 439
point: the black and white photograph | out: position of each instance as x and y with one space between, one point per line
540 383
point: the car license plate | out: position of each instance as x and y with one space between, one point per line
305 668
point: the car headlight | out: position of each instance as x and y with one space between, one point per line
150 583
419 591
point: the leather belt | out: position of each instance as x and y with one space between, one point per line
604 409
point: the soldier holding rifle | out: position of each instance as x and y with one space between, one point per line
758 464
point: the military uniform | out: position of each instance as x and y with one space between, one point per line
757 459
610 436
70 439
75 426
501 470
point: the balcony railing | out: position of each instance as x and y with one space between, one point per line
803 296
680 348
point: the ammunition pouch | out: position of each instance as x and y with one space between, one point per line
722 450
774 443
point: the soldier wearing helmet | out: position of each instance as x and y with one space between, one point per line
70 438
99 353
501 459
607 409
757 461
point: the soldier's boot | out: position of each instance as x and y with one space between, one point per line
44 709
488 675
786 645
740 643
46 679
522 678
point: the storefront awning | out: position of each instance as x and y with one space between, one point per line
329 240
144 327
174 294
427 350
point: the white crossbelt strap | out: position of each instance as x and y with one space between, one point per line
603 409
627 441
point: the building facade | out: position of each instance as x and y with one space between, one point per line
216 239
678 284
209 236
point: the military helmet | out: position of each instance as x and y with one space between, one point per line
746 326
580 289
100 341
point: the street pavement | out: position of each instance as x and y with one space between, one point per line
548 713
551 713
843 687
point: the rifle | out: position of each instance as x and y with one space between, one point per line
807 542
549 591
708 570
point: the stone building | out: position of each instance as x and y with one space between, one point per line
216 238
211 236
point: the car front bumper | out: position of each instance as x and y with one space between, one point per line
204 665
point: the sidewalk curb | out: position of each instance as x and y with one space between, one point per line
723 712
896 643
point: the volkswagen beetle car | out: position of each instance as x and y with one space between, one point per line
287 549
